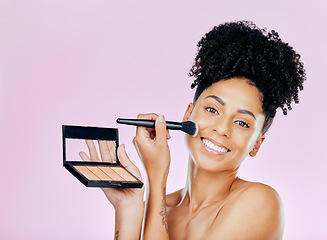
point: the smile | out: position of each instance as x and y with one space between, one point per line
213 148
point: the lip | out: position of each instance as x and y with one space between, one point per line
212 151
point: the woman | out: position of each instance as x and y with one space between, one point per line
243 74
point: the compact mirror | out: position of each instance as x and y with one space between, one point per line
90 150
89 153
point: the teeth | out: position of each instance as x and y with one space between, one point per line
213 146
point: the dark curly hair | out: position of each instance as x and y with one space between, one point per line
242 50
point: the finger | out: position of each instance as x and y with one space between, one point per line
104 151
152 132
161 131
84 156
112 150
168 135
93 151
143 131
150 116
126 162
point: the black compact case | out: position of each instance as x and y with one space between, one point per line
97 174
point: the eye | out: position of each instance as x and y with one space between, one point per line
211 110
243 124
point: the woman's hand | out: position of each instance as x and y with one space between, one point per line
152 147
118 197
128 202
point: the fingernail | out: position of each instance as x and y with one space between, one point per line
168 135
161 118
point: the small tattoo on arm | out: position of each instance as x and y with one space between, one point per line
116 235
163 212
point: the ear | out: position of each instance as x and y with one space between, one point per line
257 145
188 112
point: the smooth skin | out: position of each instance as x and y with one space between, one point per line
127 202
215 203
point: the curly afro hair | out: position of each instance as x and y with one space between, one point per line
242 50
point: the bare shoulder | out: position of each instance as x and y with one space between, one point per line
255 194
253 210
258 201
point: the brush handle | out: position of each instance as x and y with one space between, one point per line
149 123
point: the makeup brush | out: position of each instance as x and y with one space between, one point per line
188 127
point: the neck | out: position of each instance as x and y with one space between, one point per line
204 188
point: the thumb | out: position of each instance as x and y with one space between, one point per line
127 163
123 157
161 131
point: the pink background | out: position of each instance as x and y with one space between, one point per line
87 62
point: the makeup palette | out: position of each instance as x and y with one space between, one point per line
79 141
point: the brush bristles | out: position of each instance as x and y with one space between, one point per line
190 128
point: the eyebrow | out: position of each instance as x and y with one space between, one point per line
247 112
218 99
243 111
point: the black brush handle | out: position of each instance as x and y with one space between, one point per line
149 123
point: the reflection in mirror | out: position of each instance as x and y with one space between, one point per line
90 150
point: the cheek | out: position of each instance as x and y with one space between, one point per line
202 121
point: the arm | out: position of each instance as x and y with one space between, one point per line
128 221
153 149
156 213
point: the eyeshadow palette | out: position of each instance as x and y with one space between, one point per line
80 143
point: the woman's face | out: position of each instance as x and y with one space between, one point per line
229 116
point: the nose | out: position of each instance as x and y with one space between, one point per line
221 127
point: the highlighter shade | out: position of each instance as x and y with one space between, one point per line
110 172
99 173
105 173
124 174
87 173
